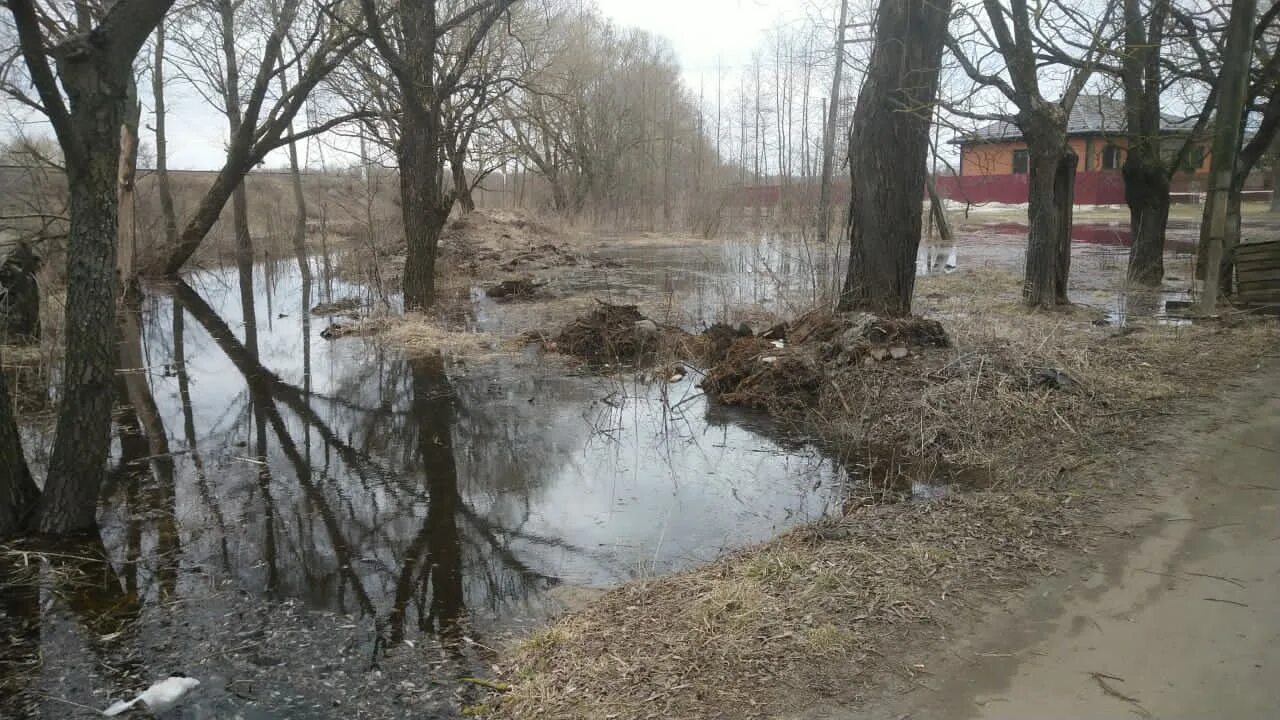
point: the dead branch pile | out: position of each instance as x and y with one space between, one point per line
759 373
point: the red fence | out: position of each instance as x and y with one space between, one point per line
1103 187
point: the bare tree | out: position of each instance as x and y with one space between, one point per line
888 149
321 40
829 130
163 186
1146 177
1007 48
94 67
1232 96
424 79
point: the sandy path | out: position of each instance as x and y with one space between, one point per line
1179 618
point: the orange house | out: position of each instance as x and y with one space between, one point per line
993 158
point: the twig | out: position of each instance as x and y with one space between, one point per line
1229 602
1237 583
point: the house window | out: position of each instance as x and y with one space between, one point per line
1112 158
1019 162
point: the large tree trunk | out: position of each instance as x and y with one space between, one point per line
425 212
18 492
887 156
1146 189
82 438
1041 275
1146 178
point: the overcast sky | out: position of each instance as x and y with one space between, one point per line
703 33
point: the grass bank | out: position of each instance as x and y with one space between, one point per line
1046 407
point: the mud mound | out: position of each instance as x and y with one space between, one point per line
719 338
910 331
518 289
756 374
753 372
609 333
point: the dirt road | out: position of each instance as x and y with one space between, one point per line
1177 618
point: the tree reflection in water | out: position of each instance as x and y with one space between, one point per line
318 505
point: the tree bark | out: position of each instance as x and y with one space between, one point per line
127 254
1147 194
299 198
888 150
424 209
1041 276
1146 178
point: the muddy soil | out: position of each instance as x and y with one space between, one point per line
1171 616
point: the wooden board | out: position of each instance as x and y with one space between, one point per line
1258 272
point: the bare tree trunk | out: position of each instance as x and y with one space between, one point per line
300 214
231 96
424 210
82 438
1147 193
1040 280
1233 83
163 187
461 187
1064 195
829 132
127 254
1146 179
888 149
18 492
95 69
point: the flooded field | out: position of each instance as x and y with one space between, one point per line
317 528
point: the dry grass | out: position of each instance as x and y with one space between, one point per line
419 334
827 609
809 612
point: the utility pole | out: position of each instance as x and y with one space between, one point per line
1226 141
829 132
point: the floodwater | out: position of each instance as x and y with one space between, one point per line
320 528
301 522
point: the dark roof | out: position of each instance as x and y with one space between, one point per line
1091 115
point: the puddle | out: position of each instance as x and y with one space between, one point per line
354 508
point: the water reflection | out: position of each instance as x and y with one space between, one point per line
279 503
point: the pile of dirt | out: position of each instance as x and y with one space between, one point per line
622 334
718 338
773 375
517 289
755 373
609 333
